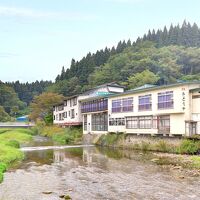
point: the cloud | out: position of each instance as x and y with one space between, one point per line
18 12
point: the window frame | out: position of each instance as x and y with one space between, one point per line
165 103
145 106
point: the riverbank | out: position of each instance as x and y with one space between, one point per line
10 140
168 151
71 135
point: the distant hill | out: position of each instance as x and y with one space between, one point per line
166 56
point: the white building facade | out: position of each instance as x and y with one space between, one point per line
154 110
68 113
94 108
167 110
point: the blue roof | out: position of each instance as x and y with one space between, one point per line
22 118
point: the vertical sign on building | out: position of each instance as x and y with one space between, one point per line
183 99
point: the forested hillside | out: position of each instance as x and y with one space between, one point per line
15 97
160 57
10 105
26 91
187 35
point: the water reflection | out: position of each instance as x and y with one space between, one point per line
90 156
94 173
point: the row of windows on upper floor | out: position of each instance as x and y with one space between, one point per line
94 105
62 116
165 101
70 102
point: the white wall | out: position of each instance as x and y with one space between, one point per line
68 120
181 111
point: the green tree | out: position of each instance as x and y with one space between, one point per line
4 116
42 105
139 79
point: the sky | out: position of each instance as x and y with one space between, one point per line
38 37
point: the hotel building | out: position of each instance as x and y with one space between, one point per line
89 108
68 113
156 110
168 110
94 108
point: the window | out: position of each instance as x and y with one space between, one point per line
70 102
142 122
85 122
116 105
145 102
116 121
60 108
94 106
122 105
75 101
164 123
65 114
100 122
72 114
69 114
54 117
127 104
61 116
65 103
165 100
131 122
145 122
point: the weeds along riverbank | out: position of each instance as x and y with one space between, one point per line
186 150
10 140
70 135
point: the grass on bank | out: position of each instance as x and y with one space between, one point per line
10 140
186 146
72 135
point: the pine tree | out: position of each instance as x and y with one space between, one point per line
62 76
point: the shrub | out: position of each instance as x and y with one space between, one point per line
1 177
13 143
136 146
188 147
145 146
3 167
67 135
110 139
196 161
35 130
162 146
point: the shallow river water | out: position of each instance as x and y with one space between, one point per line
90 173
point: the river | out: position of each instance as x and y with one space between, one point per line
93 173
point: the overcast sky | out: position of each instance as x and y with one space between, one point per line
38 37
